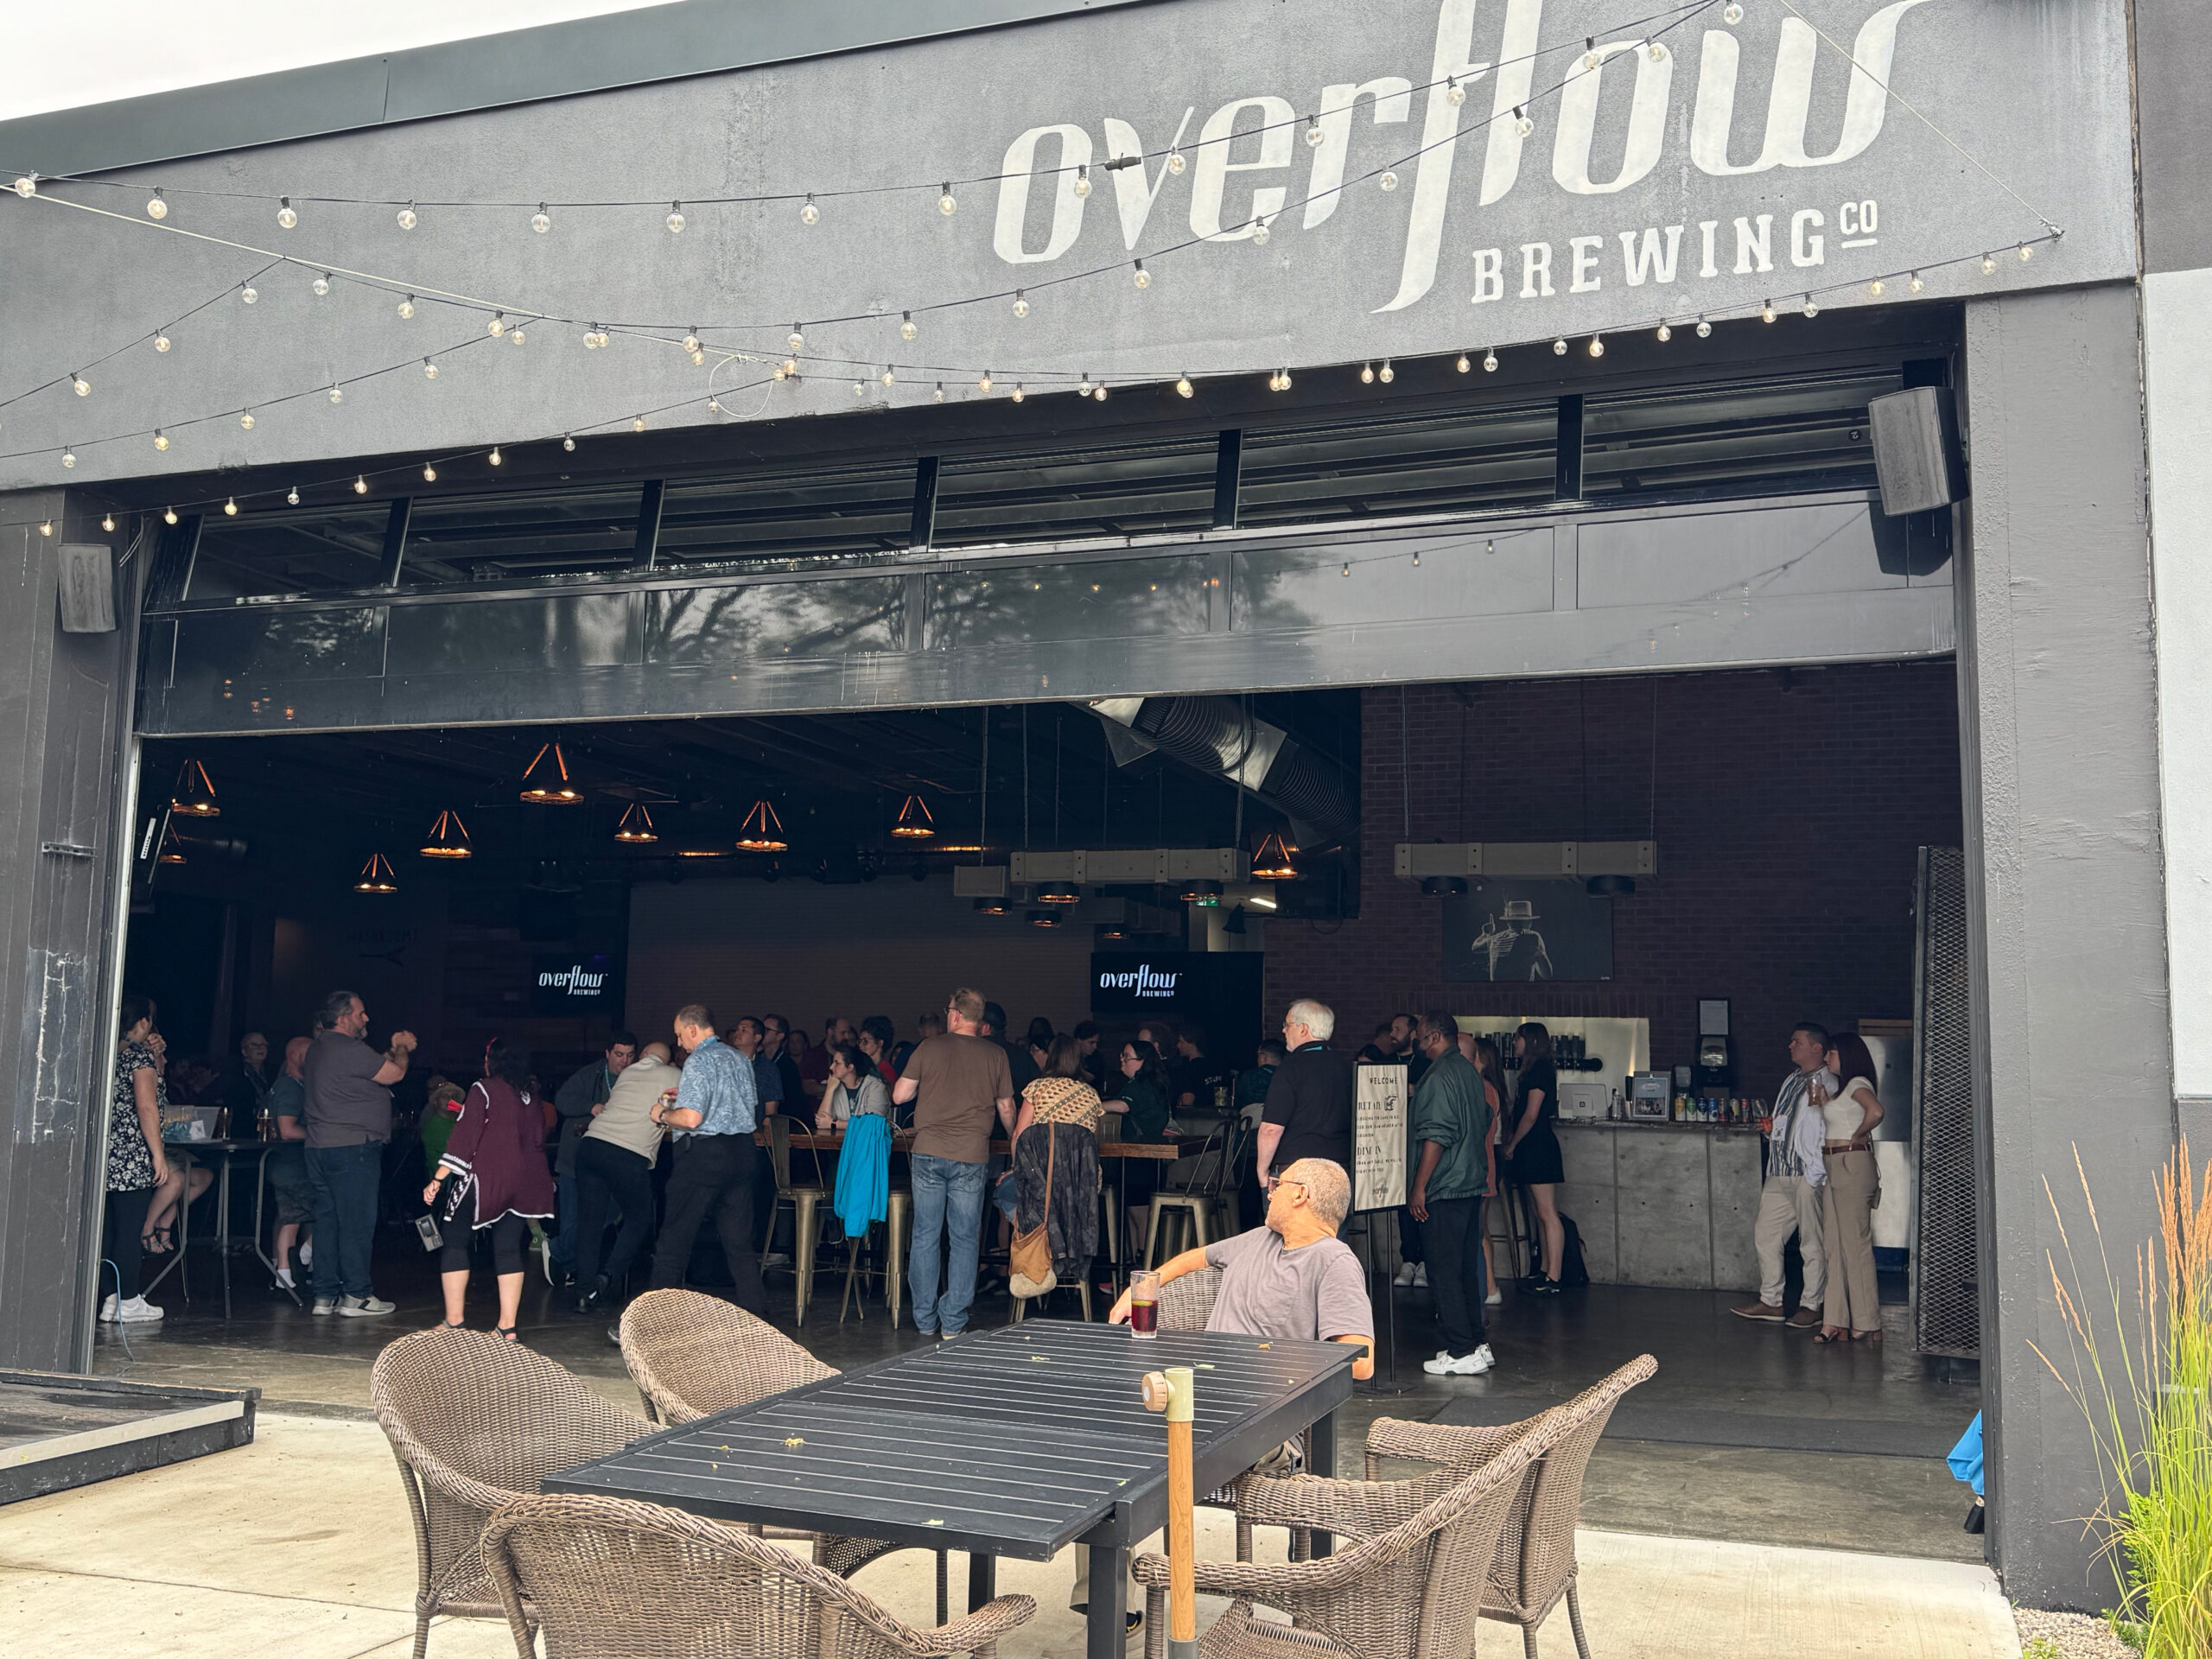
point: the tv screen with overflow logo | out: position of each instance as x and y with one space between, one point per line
577 982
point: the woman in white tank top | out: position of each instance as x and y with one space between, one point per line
1851 1310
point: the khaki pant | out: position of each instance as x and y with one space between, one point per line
1847 1238
1788 1204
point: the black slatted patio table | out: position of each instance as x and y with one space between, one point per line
1012 1442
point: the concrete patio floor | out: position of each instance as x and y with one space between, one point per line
299 1547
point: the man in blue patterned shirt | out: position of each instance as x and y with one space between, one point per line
713 1117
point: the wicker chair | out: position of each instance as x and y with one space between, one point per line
692 1356
1407 1586
1186 1303
1536 1566
608 1579
475 1421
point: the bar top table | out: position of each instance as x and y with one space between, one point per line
1014 1442
903 1140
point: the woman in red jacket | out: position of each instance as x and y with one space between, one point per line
495 1161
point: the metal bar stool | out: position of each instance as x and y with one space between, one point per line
808 1204
898 1234
1182 1207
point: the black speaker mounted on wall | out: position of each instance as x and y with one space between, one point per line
1918 460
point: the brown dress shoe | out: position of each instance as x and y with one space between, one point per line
1803 1320
1758 1311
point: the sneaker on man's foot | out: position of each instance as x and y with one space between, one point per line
107 1309
1420 1275
1803 1320
1473 1364
325 1305
1496 1298
1490 1360
138 1311
362 1307
1405 1279
1765 1312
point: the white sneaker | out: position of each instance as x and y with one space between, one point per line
306 1253
1496 1298
1420 1275
1472 1364
1405 1279
361 1308
107 1309
1489 1359
325 1305
284 1278
138 1311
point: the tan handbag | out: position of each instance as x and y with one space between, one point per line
1030 1260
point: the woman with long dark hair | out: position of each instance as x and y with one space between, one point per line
1144 1107
1852 1309
1532 1151
136 1162
495 1160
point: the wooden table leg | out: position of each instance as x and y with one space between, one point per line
1106 1634
982 1580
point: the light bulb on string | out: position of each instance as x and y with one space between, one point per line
1367 374
407 307
637 424
1812 307
1389 180
81 386
1522 123
430 370
1175 163
27 186
795 339
107 523
246 419
498 325
1665 334
1182 385
1083 179
1417 558
430 473
248 294
810 214
1489 361
68 457
568 442
360 485
1347 570
541 221
161 342
1143 277
161 439
45 527
1386 374
1463 365
515 335
291 497
495 457
231 508
1313 133
940 392
1259 233
713 406
321 285
1559 346
1988 264
158 208
1874 288
2026 253
1020 303
337 394
1732 13
407 219
1766 312
890 378
691 339
286 219
984 385
1590 53
946 204
1915 284
860 388
1704 329
1655 50
906 329
1098 392
1597 345
1019 394
1454 93
675 219
169 515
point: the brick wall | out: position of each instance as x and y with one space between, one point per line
1786 816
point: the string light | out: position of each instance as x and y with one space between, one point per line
906 329
1019 394
1259 232
1590 52
1704 329
1988 264
810 214
82 386
1732 13
1665 334
1387 374
1020 303
1916 284
1389 179
889 377
1313 133
1489 361
1454 93
713 406
407 219
407 307
1098 392
568 442
1347 570
1083 179
26 186
430 473
107 523
46 528
1597 347
795 339
1367 374
1559 346
675 219
158 208
984 385
321 285
1766 312
1183 385
945 203
160 441
1417 558
68 458
637 424
430 370
291 499
231 508
248 294
1175 163
860 388
1143 276
161 342
541 221
2026 253
1522 123
169 515
1874 288
515 337
337 394
498 325
1812 307
361 486
940 392
1655 50
246 419
495 457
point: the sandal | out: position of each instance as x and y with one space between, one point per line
1828 1336
507 1331
157 1241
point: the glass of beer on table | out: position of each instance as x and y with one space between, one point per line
1144 1302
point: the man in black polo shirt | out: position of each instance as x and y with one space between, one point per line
1309 1107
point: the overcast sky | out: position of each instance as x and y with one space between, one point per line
60 56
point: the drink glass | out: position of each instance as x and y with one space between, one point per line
1144 1303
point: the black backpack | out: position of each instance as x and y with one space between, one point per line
1572 1270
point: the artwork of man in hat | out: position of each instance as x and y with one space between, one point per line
1512 944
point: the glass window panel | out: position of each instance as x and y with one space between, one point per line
1098 598
1705 557
1457 462
788 516
834 618
297 550
521 533
1493 571
510 634
1131 490
231 653
1799 433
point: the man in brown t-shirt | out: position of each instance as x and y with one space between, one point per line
960 1082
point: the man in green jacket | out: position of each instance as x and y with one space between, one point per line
1451 1135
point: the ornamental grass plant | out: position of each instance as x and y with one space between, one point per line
2143 1380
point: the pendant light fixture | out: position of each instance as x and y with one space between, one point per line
1204 894
1272 862
1043 919
914 821
990 907
377 876
172 846
762 831
448 837
636 828
194 795
545 780
1059 893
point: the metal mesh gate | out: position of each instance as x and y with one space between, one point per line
1946 1262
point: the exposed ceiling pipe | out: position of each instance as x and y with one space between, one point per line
1212 735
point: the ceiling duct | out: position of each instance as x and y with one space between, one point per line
1213 735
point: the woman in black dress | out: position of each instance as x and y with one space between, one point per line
1532 1150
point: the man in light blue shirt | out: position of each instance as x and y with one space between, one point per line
713 1115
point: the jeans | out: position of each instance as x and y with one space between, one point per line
948 1194
344 1181
1453 1234
607 1173
713 1177
563 1245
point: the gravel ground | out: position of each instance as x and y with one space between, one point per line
2076 1635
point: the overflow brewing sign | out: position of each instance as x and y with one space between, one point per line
577 984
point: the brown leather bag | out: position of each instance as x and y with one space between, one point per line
1030 1260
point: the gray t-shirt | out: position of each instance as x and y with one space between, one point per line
347 1107
627 1120
1314 1294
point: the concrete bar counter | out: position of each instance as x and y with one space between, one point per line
1667 1205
